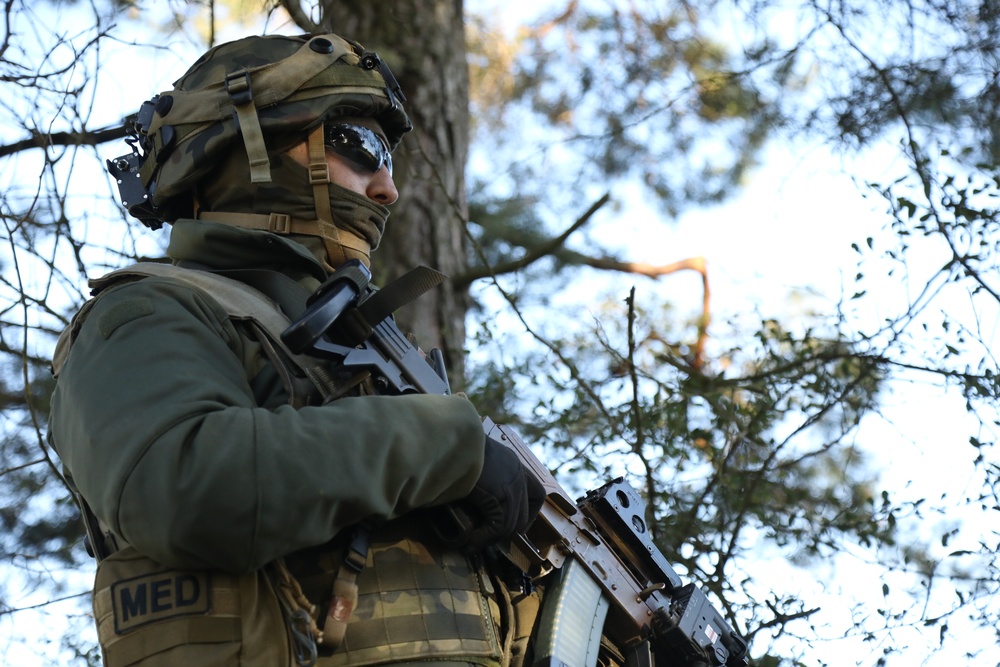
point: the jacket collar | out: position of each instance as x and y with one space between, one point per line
214 245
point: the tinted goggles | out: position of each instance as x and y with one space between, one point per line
359 145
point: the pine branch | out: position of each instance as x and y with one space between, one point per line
534 253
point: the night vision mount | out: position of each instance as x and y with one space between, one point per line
125 169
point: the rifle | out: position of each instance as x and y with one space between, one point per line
607 575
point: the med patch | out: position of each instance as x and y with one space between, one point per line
156 597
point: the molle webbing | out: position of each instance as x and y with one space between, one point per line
129 600
414 604
153 616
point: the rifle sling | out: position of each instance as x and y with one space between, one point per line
380 304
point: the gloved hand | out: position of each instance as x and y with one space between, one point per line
504 500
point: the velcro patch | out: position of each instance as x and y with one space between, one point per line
156 597
122 313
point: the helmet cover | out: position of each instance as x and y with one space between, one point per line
262 94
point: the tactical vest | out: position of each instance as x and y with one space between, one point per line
416 602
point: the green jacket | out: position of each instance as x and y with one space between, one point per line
174 425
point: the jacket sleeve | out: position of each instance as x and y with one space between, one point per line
155 420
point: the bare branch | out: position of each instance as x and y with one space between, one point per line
14 610
299 17
781 619
45 140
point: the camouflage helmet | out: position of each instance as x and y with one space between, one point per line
263 93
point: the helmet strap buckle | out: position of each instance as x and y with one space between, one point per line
319 174
240 90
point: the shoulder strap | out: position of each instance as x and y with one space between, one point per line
240 301
67 337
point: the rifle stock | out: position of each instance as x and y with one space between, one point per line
605 574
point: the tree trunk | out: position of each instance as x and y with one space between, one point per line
423 42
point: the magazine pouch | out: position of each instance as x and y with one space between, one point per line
154 616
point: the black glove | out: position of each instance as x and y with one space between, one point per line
504 500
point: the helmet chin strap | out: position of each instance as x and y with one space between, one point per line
355 211
302 201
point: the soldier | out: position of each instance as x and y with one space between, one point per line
249 506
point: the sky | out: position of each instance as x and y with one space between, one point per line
783 245
790 227
766 245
